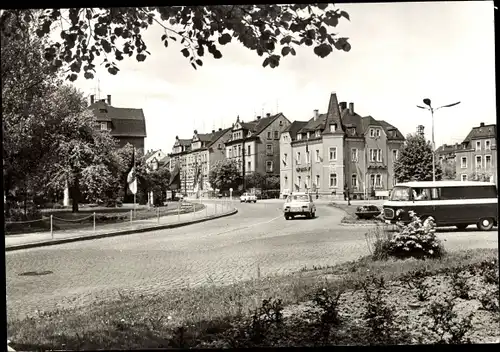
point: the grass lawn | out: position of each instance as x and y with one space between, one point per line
226 316
65 219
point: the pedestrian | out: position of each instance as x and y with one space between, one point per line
348 197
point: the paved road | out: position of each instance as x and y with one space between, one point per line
220 251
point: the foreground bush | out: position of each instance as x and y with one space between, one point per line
416 240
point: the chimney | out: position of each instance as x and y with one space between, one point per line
92 99
213 131
109 99
343 106
351 108
195 132
258 117
268 114
481 124
220 129
315 114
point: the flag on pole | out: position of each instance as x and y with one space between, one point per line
132 178
175 178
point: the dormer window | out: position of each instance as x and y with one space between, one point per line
333 127
299 136
104 126
308 135
317 134
353 131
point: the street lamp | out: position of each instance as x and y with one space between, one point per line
427 102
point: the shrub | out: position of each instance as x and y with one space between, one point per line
415 279
417 240
18 214
326 303
460 287
267 321
446 323
378 241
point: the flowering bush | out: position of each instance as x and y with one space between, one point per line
417 239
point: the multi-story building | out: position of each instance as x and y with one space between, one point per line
156 158
477 154
255 144
446 153
195 157
125 124
339 149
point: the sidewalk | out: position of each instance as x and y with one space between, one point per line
211 211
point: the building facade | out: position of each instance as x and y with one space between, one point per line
477 155
125 124
195 157
339 149
255 145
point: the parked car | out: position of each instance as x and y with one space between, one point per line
367 211
299 203
248 198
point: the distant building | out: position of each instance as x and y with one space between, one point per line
194 159
446 152
337 149
156 158
125 124
255 144
477 155
420 130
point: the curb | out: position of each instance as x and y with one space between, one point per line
118 233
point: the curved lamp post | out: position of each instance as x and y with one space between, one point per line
427 102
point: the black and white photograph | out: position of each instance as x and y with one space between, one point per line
259 175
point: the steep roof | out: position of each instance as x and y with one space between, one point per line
445 148
295 127
217 135
259 125
482 131
125 122
388 127
333 115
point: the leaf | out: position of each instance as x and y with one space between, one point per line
105 45
266 62
163 37
199 62
331 21
194 66
185 52
322 6
224 39
345 15
292 51
323 50
217 54
285 51
88 75
165 43
140 57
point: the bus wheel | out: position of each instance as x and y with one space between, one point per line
461 227
485 224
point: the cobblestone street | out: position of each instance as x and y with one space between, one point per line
220 251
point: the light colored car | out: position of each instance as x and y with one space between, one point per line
248 198
299 203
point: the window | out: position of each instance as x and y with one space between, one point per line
487 161
463 177
378 181
463 162
354 181
249 151
239 150
308 134
376 155
372 180
269 149
285 159
276 135
395 155
104 126
299 136
478 145
269 135
249 166
374 132
487 145
479 161
285 181
354 154
229 153
299 180
333 180
308 181
281 123
298 158
317 156
377 132
307 157
333 153
317 180
333 127
317 133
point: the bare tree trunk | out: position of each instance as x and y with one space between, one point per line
75 194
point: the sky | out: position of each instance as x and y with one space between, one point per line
401 53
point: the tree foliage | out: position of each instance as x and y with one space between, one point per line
224 175
482 176
449 169
255 180
272 31
415 161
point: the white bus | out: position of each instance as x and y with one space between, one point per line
450 203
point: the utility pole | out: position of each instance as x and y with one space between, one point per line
243 167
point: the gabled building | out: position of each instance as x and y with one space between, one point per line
254 145
446 153
339 149
477 155
125 124
156 158
194 159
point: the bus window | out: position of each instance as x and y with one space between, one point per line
435 193
421 193
400 194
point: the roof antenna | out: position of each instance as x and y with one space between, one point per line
98 89
277 106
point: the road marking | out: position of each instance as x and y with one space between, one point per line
244 227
